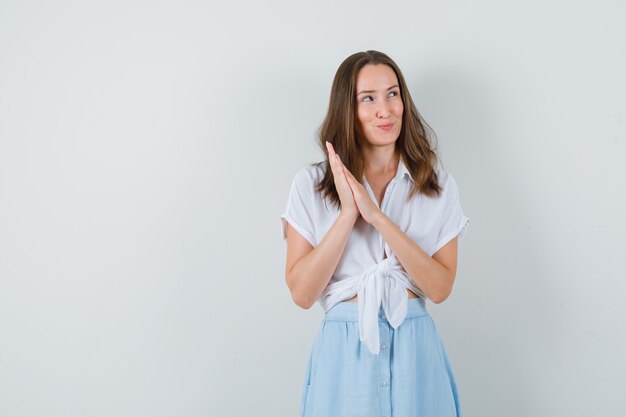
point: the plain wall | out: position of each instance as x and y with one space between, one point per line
146 153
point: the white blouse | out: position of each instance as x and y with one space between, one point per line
430 221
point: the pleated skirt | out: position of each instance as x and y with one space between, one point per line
411 377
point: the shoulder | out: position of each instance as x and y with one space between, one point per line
447 183
309 176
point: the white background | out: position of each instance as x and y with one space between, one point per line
147 149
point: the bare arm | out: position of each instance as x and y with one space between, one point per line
433 275
309 269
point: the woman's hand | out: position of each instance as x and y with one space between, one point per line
364 203
348 205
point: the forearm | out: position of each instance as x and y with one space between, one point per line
427 274
312 273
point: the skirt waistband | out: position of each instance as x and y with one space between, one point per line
349 310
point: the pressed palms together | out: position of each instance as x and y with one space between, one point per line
354 197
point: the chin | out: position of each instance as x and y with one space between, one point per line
391 138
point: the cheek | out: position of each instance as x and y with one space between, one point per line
362 116
399 108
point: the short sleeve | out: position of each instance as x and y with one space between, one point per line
299 206
453 221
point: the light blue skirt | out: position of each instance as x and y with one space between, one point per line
412 376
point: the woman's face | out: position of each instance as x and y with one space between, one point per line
379 105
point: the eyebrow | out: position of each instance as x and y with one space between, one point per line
373 91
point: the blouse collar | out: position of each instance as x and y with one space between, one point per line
403 170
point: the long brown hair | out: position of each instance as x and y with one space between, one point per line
416 145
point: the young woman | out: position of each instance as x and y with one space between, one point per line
372 232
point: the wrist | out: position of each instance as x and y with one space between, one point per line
349 215
378 219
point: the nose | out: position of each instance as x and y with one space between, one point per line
383 111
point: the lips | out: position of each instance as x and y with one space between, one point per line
388 126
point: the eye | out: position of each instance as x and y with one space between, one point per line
366 97
395 93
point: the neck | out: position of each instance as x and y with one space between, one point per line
380 160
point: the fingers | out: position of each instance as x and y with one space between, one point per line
349 176
331 155
331 151
333 158
330 148
339 170
343 180
336 161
